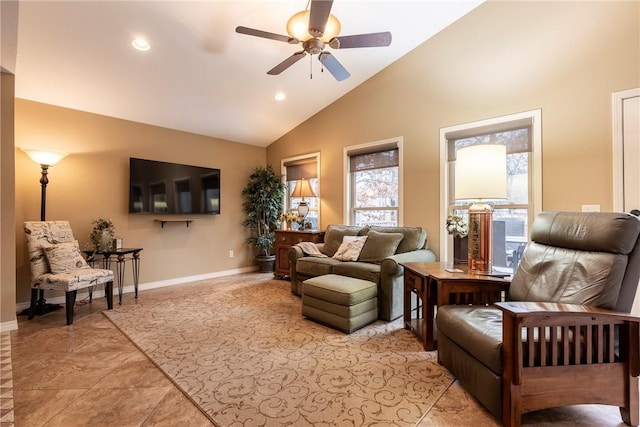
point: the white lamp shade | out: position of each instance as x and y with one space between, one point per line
481 172
303 189
298 27
44 157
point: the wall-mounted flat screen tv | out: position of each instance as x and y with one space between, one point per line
172 189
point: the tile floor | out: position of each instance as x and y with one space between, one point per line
90 374
6 381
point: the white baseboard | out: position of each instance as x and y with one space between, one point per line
12 325
82 294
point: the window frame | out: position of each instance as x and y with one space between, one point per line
533 118
381 145
283 172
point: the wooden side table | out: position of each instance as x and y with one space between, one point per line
433 286
287 238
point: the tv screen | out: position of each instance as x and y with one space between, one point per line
170 188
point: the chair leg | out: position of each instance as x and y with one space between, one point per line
34 301
71 301
108 290
631 414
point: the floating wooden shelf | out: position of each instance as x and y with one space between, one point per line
162 221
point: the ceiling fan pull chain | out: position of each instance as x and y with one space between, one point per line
310 67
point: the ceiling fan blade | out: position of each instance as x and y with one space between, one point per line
266 35
287 63
361 40
318 16
335 68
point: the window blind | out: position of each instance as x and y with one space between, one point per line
516 136
376 160
303 168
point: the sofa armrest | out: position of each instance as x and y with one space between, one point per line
391 291
294 254
390 266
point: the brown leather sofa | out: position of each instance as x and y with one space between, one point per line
565 336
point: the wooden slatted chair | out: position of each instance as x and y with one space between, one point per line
565 336
57 264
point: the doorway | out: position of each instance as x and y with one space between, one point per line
626 157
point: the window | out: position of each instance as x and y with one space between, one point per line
295 169
373 183
521 134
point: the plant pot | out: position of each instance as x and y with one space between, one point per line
266 263
460 250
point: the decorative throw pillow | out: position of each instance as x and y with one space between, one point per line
414 237
350 248
334 235
37 258
64 257
379 246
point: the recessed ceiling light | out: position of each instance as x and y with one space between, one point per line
280 96
140 44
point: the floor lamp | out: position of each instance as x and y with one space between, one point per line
481 176
45 158
303 189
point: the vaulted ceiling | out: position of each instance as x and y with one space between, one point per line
199 75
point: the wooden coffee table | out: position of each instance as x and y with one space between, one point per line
434 286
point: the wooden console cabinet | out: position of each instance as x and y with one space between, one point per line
287 238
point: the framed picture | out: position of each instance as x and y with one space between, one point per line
117 243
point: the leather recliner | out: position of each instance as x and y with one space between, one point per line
564 336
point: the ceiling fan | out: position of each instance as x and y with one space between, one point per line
314 29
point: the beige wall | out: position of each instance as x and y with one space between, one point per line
565 58
93 182
504 57
7 195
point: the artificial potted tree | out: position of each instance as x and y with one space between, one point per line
263 196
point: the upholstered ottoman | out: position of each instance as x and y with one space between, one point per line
341 302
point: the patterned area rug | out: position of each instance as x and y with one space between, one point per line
246 356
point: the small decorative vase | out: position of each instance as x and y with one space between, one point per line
105 241
460 250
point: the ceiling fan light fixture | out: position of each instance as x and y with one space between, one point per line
298 27
314 29
140 44
332 29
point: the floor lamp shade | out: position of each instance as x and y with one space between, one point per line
44 157
481 176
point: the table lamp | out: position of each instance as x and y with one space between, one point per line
303 189
481 176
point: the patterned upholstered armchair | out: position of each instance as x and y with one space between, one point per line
57 264
565 336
